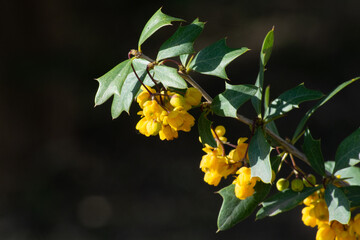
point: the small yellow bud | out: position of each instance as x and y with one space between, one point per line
177 101
220 130
193 96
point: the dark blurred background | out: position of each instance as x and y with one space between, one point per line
68 171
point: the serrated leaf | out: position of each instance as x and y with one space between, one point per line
130 88
111 82
283 201
308 114
213 59
351 174
291 99
227 103
312 150
169 77
157 21
234 210
338 204
267 47
353 194
348 151
182 41
259 156
204 127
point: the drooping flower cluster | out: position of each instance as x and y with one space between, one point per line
217 165
316 214
165 114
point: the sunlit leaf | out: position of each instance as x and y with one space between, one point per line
259 156
157 21
182 41
350 174
169 77
112 81
227 103
338 204
213 59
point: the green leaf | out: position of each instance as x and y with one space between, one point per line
182 41
267 47
112 81
350 174
157 21
184 58
353 194
169 77
265 54
308 114
259 156
291 99
204 127
283 201
227 103
213 59
234 210
348 152
330 166
338 204
312 150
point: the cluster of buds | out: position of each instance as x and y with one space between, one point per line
316 214
165 113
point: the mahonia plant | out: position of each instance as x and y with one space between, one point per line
166 94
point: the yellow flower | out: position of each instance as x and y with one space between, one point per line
193 96
325 232
244 183
308 216
164 114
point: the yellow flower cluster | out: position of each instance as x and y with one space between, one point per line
216 165
316 214
244 183
165 114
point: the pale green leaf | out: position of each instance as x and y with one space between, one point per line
169 77
112 81
338 204
227 103
259 156
350 174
